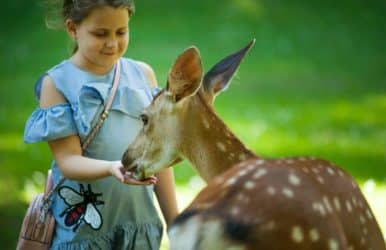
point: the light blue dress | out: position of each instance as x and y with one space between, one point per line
101 214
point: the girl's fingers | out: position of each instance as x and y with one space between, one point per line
119 175
129 179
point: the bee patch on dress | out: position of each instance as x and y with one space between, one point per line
82 206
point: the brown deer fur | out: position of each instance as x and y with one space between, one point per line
249 202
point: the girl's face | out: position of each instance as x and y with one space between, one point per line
102 38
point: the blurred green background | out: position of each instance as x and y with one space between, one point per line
314 84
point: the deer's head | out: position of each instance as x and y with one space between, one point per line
167 119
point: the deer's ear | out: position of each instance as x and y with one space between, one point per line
218 78
185 76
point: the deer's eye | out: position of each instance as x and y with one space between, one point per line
145 119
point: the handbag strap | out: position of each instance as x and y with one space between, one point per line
94 130
105 112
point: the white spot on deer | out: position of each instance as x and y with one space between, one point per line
315 170
242 198
293 179
290 161
221 146
365 231
288 192
271 190
259 173
363 240
297 234
320 179
360 204
250 167
302 158
242 172
362 219
314 234
242 157
354 201
305 170
249 185
228 133
260 162
333 244
368 213
348 206
327 204
330 171
337 203
243 164
319 208
231 181
340 172
206 123
235 210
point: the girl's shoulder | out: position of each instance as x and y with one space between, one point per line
135 65
140 70
52 73
60 69
131 65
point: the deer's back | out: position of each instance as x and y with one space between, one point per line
292 203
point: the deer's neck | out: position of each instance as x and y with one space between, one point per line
208 143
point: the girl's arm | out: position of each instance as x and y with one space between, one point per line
68 153
166 195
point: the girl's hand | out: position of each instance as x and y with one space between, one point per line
126 177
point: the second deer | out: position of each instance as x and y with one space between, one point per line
249 202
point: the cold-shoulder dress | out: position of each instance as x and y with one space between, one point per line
101 214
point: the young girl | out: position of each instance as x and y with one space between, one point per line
95 208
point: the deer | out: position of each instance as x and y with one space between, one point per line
249 202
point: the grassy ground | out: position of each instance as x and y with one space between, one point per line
314 84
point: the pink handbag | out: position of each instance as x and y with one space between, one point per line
38 226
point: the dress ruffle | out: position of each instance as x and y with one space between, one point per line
62 120
91 100
129 236
50 123
131 102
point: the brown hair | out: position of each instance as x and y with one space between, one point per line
78 10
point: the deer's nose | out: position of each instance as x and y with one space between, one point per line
127 161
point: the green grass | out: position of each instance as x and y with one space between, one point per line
314 84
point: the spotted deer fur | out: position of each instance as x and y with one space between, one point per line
249 202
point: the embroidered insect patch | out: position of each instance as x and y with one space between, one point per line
82 206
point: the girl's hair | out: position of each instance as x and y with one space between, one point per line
77 10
